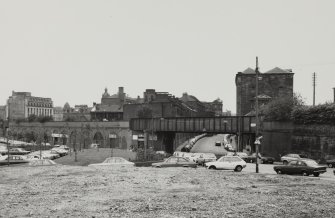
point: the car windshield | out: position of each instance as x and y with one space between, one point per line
311 163
303 156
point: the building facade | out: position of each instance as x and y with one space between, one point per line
3 113
275 83
111 106
21 105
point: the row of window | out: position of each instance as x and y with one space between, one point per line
39 104
40 111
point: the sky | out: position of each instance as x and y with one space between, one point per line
71 50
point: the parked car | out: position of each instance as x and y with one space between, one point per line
3 149
46 154
12 159
204 158
65 147
115 161
60 151
264 159
175 162
289 157
31 157
18 151
227 163
330 163
304 167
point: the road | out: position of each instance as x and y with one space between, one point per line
207 145
268 169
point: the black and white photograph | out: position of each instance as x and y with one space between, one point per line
167 108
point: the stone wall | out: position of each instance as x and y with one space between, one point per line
272 85
85 133
317 141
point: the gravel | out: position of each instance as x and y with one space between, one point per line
75 191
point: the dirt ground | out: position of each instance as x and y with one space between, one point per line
75 191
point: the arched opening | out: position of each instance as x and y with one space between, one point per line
98 139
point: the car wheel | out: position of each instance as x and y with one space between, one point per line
238 169
262 161
305 174
285 162
330 165
212 168
279 172
316 174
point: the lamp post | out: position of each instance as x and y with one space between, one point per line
257 122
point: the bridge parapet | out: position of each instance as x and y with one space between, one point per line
223 124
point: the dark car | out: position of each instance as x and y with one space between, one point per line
175 162
13 159
264 159
330 163
302 167
18 151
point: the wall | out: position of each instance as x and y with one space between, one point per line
317 141
273 85
86 131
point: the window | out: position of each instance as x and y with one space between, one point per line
293 163
172 160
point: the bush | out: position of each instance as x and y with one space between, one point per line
320 114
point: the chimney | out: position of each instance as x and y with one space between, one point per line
120 90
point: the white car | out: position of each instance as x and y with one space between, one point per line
289 157
115 162
60 151
227 163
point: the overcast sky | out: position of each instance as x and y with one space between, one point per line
71 50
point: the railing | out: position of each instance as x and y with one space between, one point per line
227 124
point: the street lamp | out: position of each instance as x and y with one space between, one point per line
257 121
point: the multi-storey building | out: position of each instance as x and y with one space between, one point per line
3 113
272 84
22 105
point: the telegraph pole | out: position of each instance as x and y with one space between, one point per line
314 78
256 108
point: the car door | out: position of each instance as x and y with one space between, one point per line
301 167
171 162
226 163
292 167
183 162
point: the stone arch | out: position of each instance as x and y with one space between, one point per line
98 138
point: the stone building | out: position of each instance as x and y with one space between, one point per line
3 113
203 108
158 104
78 113
111 106
21 105
273 84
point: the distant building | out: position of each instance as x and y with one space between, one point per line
58 114
203 108
3 113
111 106
273 84
158 104
78 113
22 105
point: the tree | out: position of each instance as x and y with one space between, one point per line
280 109
32 118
